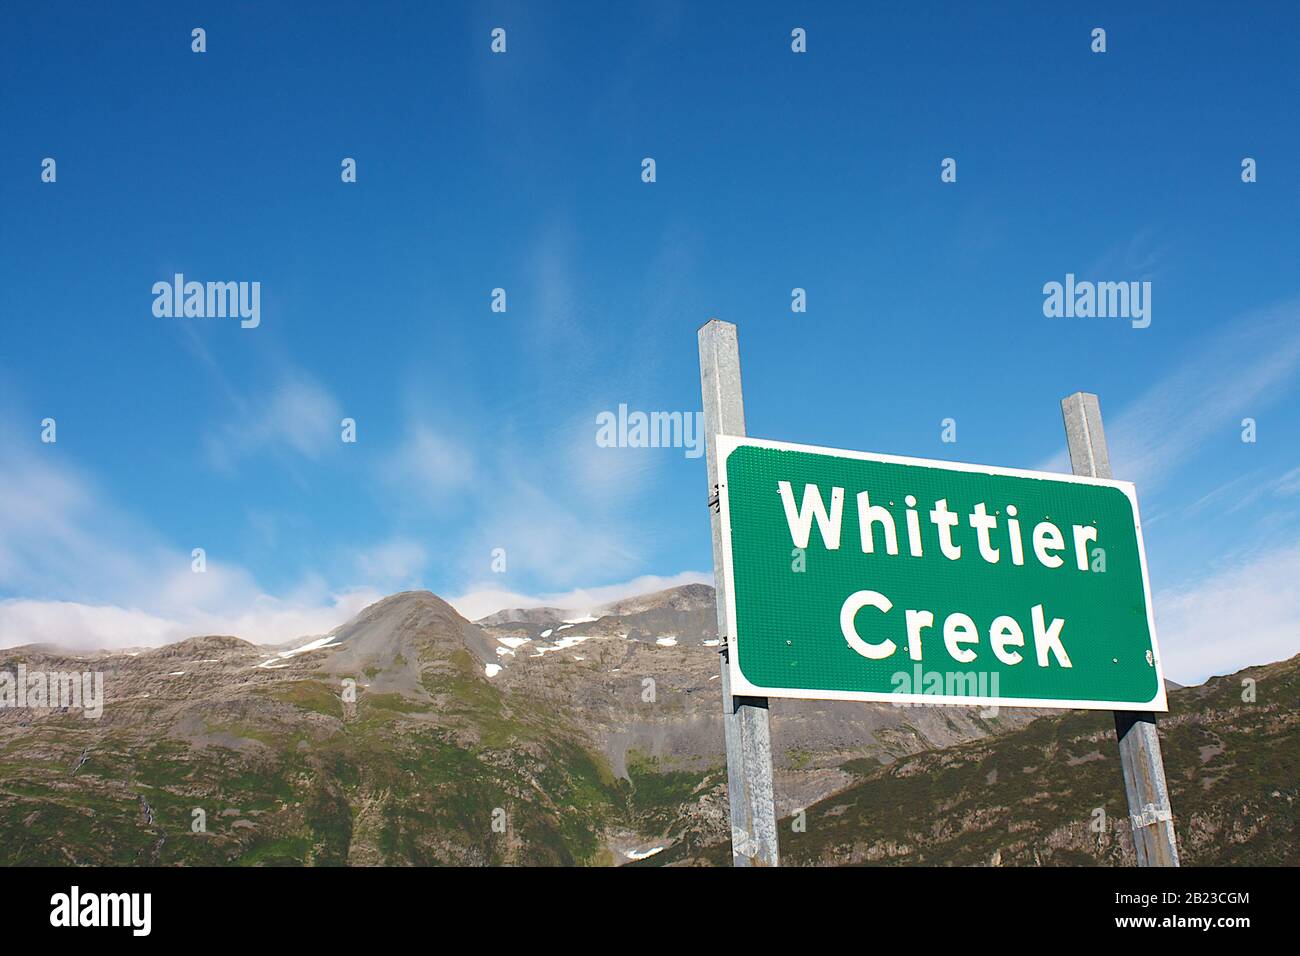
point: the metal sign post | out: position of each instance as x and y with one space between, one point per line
793 638
744 719
1139 744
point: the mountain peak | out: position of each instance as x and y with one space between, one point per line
683 597
392 638
204 646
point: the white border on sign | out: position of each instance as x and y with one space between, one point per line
724 445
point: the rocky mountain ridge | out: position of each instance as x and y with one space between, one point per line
411 735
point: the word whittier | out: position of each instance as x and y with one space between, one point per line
960 635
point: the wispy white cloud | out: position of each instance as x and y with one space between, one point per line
1242 615
266 620
80 572
546 538
55 529
480 602
1135 257
1229 489
297 416
1237 375
1249 489
1287 484
608 475
426 466
395 563
555 502
83 626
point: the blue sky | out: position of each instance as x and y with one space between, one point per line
775 170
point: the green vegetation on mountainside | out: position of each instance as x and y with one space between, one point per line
305 779
1030 797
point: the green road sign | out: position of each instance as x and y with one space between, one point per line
856 576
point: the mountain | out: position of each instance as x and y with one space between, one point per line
410 735
285 769
593 669
1050 793
396 644
682 614
541 616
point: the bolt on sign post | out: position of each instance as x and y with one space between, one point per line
853 576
